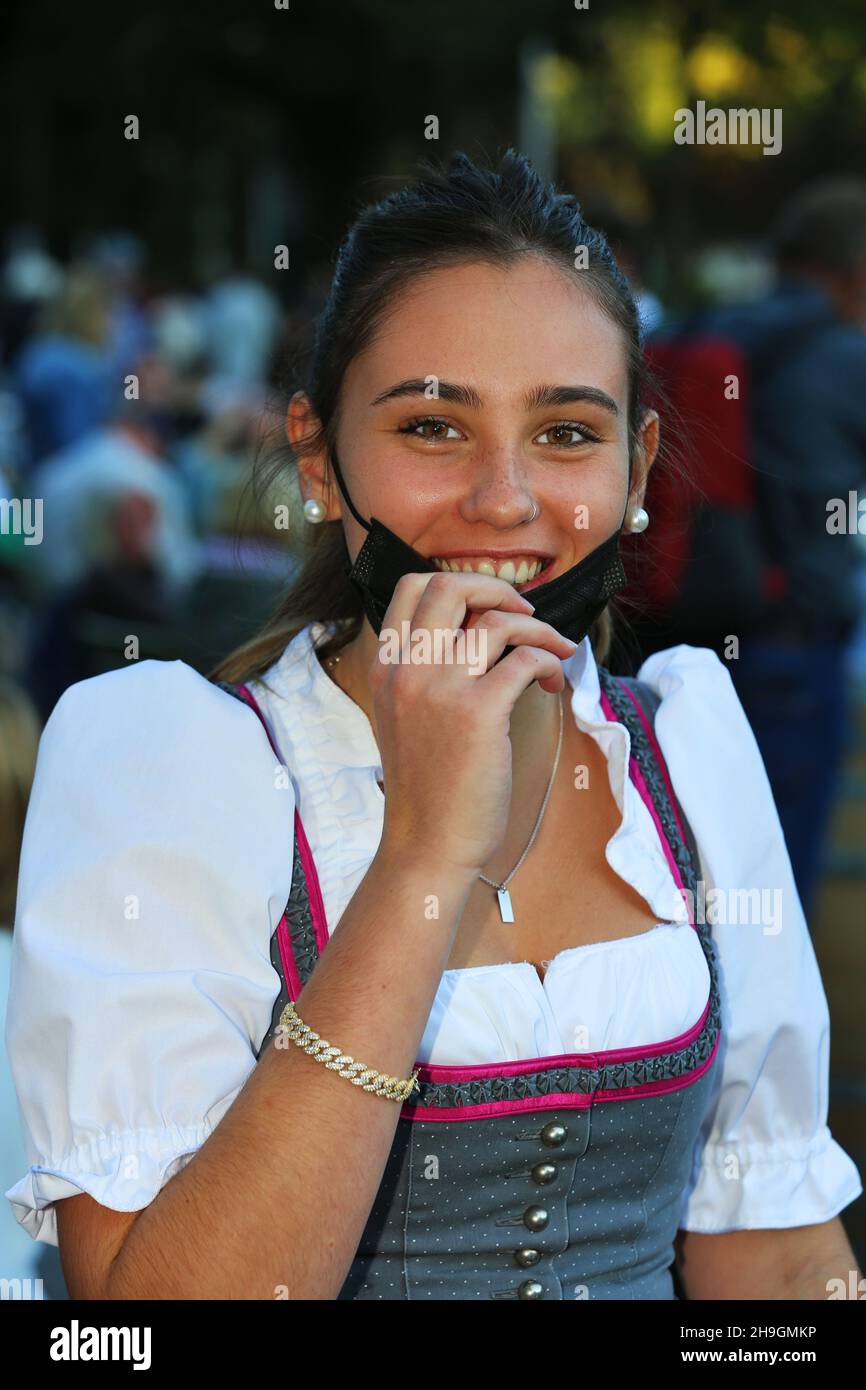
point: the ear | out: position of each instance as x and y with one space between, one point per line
646 449
314 475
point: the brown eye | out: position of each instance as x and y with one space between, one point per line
413 426
569 427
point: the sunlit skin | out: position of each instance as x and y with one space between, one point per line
469 484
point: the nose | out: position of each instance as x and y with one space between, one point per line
499 494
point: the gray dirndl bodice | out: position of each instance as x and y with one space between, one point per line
549 1177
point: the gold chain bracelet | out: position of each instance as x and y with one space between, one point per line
389 1087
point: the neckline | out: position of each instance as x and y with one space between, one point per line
584 948
362 734
339 737
580 671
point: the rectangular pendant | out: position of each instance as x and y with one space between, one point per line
505 910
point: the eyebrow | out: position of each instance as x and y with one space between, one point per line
538 398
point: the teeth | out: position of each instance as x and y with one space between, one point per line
526 569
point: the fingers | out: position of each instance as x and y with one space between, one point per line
447 602
501 623
516 672
443 600
502 629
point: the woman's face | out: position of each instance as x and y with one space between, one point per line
487 424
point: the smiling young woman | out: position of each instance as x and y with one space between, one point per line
479 884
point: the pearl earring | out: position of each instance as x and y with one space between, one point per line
638 519
314 509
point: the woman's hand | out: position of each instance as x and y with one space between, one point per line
443 728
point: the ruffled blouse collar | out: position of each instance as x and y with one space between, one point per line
344 735
339 736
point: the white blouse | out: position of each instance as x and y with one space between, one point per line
156 864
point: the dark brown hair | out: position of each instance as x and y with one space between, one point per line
447 216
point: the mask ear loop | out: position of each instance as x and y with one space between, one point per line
620 529
349 503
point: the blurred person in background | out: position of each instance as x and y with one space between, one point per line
857 655
242 320
118 535
127 453
179 332
214 420
809 422
119 258
801 442
124 581
63 375
215 460
30 277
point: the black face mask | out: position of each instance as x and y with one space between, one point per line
570 603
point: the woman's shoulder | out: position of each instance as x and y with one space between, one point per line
696 695
156 862
716 768
672 667
156 739
147 702
700 715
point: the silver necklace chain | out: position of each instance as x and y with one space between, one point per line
331 661
506 881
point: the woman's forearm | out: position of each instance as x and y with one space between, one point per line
802 1262
275 1201
827 1267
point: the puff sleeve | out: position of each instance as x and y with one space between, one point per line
765 1156
156 863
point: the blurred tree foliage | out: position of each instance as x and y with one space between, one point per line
336 92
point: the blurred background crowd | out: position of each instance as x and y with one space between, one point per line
150 330
131 418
